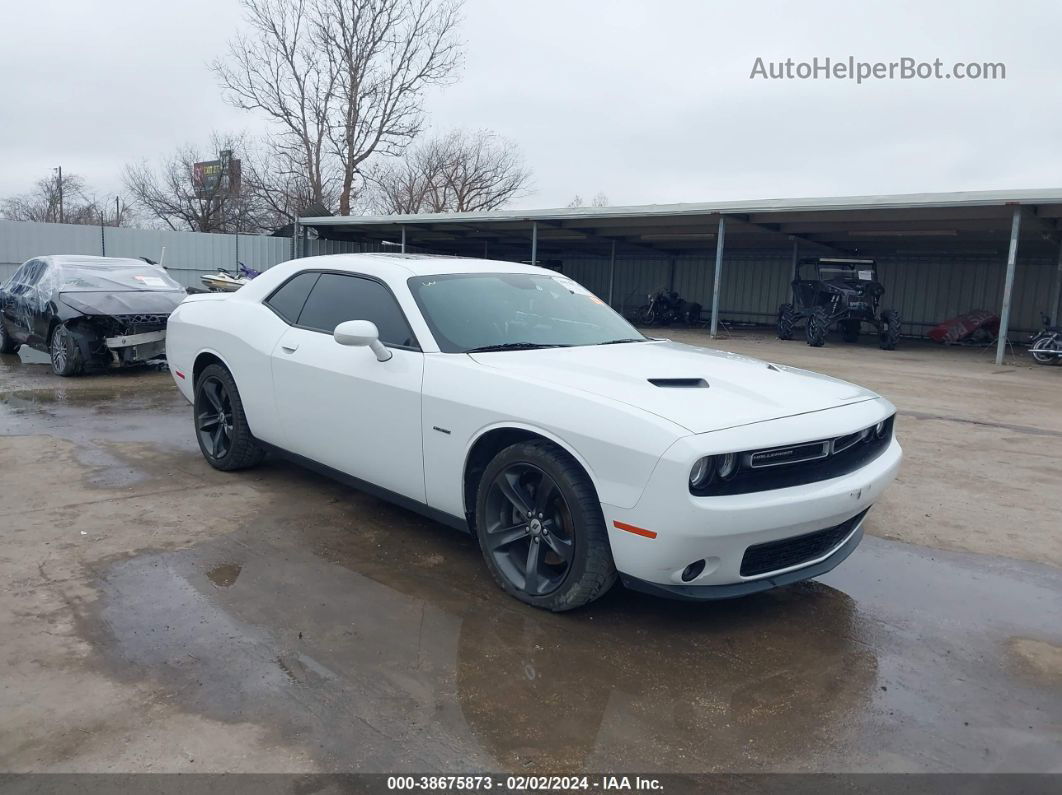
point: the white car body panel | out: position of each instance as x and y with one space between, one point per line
407 424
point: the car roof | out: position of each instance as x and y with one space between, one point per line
401 266
86 260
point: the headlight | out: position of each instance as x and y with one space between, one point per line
879 429
727 465
702 472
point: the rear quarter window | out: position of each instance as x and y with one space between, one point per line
288 299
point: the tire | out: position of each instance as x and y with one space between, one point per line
220 423
850 329
565 546
7 344
1046 345
644 316
816 328
64 352
693 314
890 330
786 321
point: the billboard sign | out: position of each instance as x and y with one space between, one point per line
216 178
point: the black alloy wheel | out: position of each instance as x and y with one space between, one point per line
213 418
221 427
540 527
529 529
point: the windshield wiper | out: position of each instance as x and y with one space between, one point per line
513 346
617 342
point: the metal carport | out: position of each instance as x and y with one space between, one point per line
982 240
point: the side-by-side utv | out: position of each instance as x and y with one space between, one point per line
829 291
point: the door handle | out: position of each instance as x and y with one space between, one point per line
289 348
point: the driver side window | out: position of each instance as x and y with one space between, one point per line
337 297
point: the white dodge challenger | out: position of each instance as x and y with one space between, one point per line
509 401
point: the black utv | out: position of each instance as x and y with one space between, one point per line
830 291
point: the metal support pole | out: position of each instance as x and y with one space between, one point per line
1056 305
485 250
305 244
718 276
534 242
793 270
611 272
671 275
294 239
1008 285
403 240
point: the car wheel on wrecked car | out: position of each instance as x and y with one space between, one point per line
221 426
816 328
7 344
65 352
540 527
890 329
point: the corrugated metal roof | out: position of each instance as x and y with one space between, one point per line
986 198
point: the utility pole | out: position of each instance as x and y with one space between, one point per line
60 170
117 211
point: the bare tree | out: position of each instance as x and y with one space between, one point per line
600 200
340 79
78 206
171 194
457 172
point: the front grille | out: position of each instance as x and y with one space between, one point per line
141 323
788 552
797 465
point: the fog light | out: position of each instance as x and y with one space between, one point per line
701 473
693 571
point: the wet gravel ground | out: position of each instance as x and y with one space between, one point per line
157 615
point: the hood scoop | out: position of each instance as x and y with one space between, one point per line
679 383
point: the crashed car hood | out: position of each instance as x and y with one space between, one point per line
739 390
133 302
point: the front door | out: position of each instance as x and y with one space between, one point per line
339 405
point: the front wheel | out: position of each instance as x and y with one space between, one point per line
540 527
221 427
786 321
890 330
816 328
64 352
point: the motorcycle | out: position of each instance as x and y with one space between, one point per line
666 307
1046 345
225 282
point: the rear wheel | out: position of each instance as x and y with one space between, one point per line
540 527
221 426
1042 351
850 329
890 330
7 342
786 321
816 328
64 352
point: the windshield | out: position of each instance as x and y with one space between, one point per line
473 311
84 278
862 273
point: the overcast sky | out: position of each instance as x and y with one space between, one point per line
644 101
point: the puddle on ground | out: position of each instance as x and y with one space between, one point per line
347 643
224 575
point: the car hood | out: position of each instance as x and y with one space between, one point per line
133 302
739 390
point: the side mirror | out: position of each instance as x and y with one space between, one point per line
361 333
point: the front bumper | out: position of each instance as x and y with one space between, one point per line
704 593
682 529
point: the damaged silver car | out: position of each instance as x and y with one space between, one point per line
88 313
